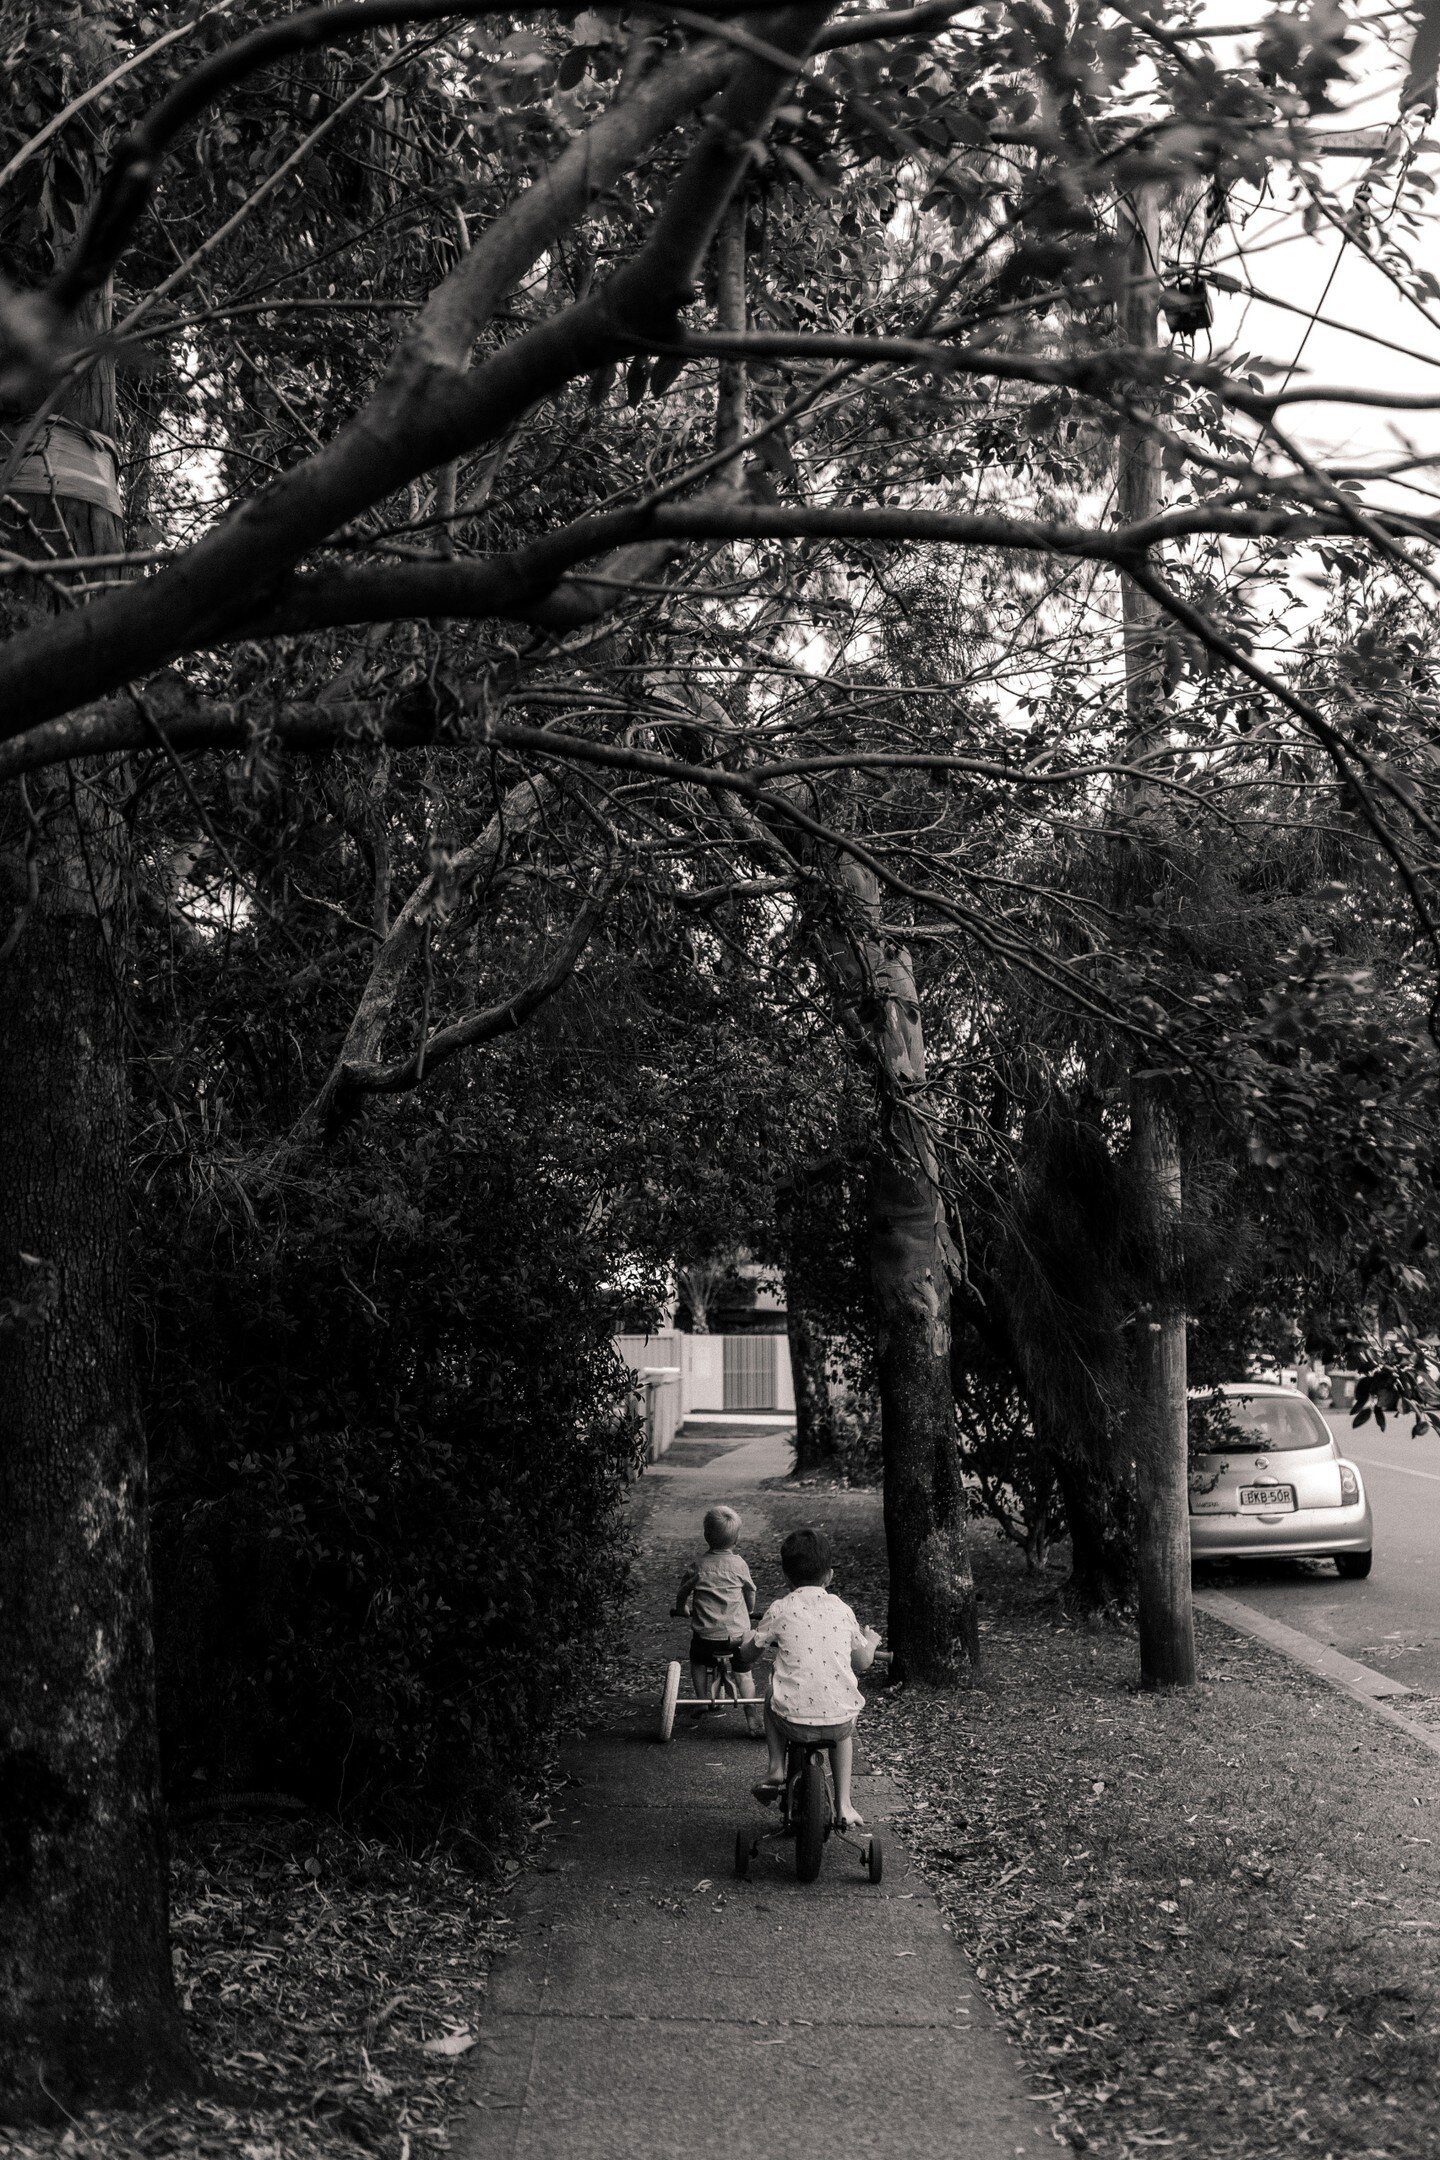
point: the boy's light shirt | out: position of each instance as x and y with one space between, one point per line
718 1611
813 1634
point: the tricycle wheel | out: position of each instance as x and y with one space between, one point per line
811 1810
742 1853
875 1859
669 1699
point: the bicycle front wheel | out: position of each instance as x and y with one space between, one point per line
665 1723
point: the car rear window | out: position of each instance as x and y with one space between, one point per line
1274 1422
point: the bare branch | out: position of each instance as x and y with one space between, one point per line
356 1081
891 22
476 864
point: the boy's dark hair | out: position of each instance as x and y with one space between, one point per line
805 1557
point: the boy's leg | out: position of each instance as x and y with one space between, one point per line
745 1688
702 1683
842 1763
775 1739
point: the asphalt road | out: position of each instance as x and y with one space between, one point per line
1391 1621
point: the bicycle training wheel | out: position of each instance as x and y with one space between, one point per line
811 1810
669 1698
875 1859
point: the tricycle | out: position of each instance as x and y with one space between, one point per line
724 1695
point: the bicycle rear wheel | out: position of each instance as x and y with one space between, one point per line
812 1811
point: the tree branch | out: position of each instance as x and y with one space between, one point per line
530 585
356 1081
126 188
517 815
430 407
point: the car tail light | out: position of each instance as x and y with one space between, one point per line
1349 1485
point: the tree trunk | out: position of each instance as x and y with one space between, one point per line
87 2003
1159 1415
933 1628
1102 1567
814 1413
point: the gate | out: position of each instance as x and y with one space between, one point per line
750 1372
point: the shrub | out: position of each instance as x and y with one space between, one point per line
389 1456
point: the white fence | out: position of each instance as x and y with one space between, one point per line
662 1409
717 1372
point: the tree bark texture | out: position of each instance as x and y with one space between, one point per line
933 1629
87 2003
1161 1442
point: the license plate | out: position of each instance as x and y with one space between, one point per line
1267 1496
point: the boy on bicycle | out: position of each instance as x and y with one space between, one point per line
718 1594
819 1647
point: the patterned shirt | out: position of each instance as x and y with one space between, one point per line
813 1634
716 1589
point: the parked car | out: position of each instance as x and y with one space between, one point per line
1271 1482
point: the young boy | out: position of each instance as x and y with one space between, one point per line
819 1647
718 1593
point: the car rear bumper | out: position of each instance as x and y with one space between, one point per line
1303 1533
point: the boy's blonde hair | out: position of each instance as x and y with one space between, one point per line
722 1528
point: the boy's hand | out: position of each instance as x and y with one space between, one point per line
746 1653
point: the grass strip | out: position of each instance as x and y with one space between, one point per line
1210 1917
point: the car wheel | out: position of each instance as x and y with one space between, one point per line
1353 1566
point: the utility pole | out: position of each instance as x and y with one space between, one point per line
1158 1410
1159 1423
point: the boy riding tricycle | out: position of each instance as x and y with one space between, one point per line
812 1701
810 1710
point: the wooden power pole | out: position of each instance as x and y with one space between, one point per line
1159 1426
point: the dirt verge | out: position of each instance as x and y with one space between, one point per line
331 1991
1211 1917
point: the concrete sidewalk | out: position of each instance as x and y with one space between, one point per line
655 2006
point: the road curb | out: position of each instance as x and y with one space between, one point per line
1360 1682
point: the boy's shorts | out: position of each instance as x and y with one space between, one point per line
705 1651
811 1735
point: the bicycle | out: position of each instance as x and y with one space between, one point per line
807 1813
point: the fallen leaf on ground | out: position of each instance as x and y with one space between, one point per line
455 2043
